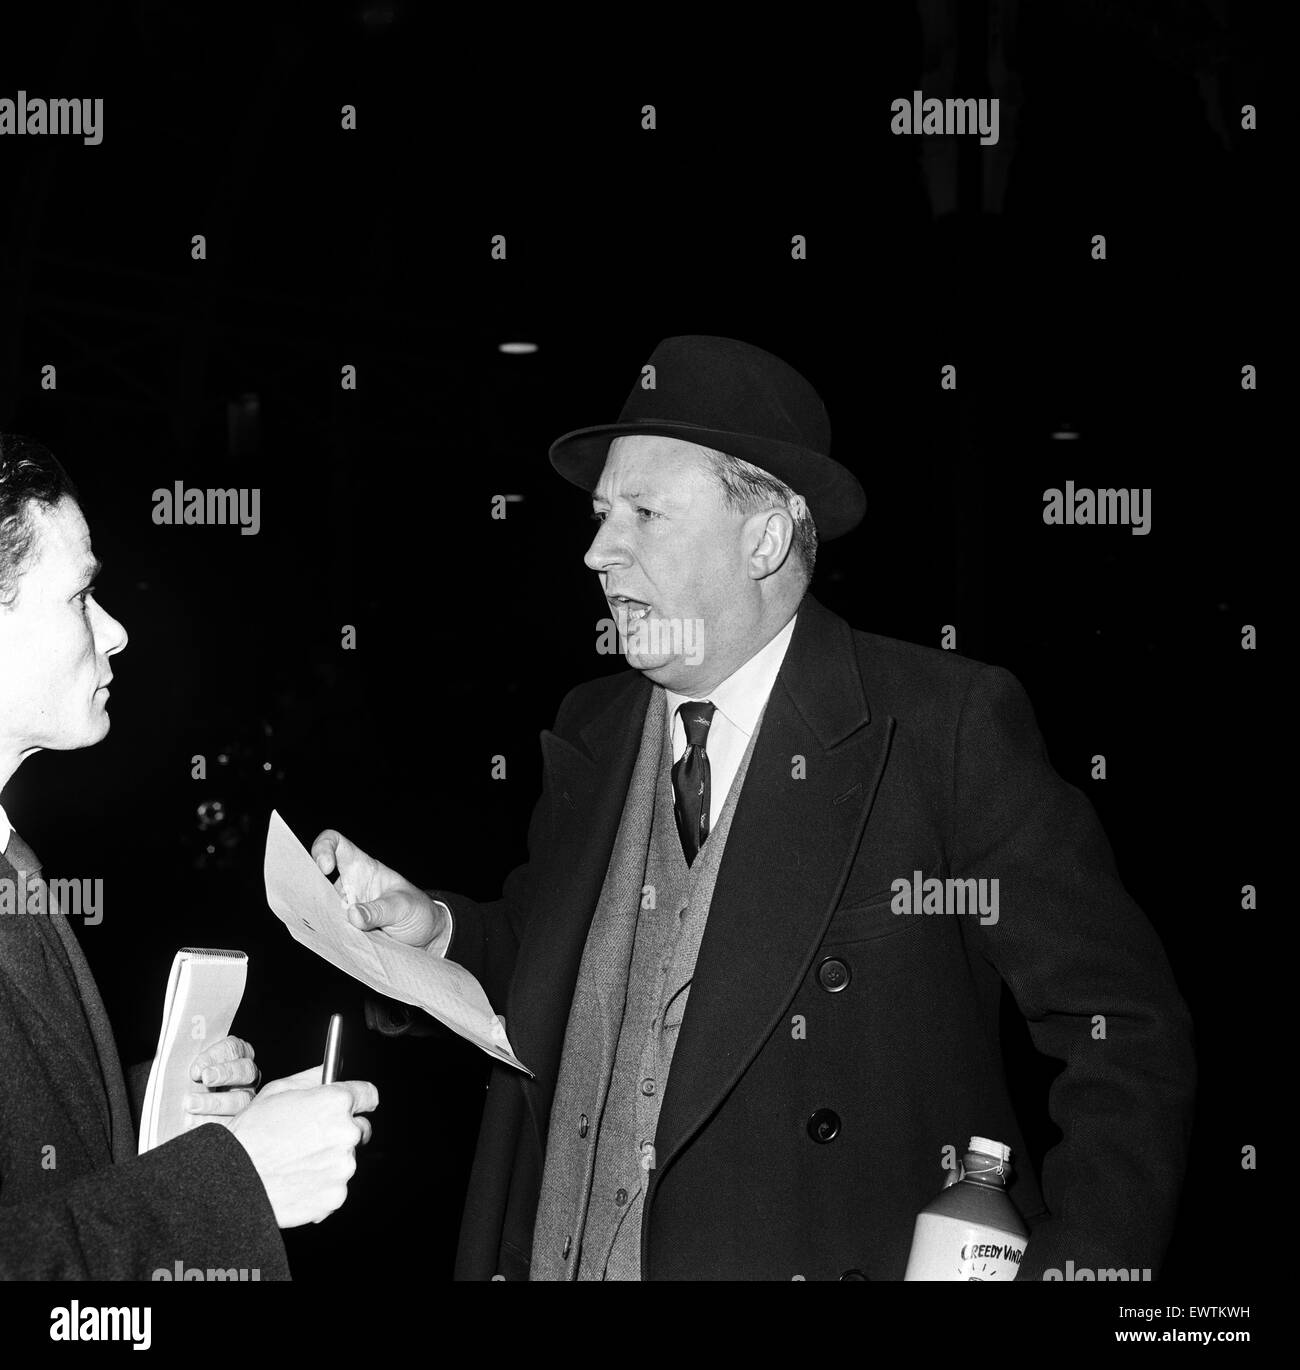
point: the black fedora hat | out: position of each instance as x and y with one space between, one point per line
737 399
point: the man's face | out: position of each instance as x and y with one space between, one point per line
55 641
668 542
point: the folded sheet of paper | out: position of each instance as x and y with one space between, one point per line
203 994
308 905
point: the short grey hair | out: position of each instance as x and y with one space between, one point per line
747 488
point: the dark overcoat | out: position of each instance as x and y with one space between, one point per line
876 759
76 1202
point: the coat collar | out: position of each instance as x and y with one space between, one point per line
820 673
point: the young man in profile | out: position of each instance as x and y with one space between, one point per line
76 1202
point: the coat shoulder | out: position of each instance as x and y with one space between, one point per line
590 698
909 680
891 656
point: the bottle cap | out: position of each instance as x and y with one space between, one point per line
998 1150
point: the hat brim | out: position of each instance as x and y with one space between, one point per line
835 496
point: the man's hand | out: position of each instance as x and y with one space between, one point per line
302 1138
225 1066
377 897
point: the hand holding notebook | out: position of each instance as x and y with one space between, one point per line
203 994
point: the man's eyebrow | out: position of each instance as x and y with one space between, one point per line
91 570
627 495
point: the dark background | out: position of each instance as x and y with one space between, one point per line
371 248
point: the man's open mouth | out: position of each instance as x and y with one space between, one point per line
634 609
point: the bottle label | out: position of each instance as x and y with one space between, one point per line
950 1249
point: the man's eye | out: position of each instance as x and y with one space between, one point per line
86 594
600 515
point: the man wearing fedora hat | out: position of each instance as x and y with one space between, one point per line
751 1056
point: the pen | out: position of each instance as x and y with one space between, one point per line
333 1050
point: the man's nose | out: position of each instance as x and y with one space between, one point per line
110 635
606 549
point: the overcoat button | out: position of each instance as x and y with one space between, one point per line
833 974
824 1125
582 1125
568 1246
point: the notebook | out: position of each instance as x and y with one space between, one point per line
203 994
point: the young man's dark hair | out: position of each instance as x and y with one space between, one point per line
28 472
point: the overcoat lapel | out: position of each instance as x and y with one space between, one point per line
788 855
121 1129
90 1108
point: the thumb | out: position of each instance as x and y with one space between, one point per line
364 1096
368 916
379 913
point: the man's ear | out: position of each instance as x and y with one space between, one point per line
770 536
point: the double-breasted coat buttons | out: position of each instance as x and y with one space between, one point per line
833 974
824 1125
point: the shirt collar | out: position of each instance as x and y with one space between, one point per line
740 698
6 830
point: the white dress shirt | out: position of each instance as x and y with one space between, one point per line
6 830
737 702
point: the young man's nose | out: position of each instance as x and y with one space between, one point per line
110 635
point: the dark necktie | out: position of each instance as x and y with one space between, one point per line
691 780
